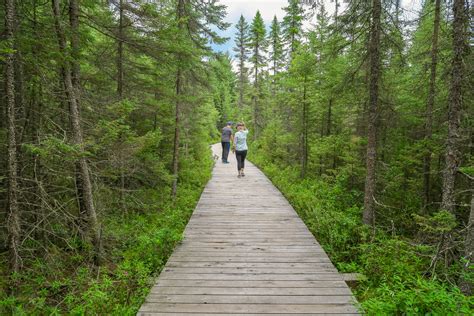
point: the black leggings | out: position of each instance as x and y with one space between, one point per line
240 155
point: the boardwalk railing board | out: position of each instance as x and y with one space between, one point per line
246 252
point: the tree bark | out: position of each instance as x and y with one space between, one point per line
452 153
329 118
93 232
174 186
256 96
120 52
75 78
466 285
179 81
241 88
304 136
241 76
371 159
75 52
13 211
430 106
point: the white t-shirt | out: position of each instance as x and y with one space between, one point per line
240 140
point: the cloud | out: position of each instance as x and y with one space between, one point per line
268 8
247 8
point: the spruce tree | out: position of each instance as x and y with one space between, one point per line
258 46
292 25
453 155
374 81
276 47
12 207
241 50
197 27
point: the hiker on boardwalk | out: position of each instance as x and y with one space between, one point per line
240 147
226 137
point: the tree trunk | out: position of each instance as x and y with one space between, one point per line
120 52
466 285
92 227
241 77
22 110
329 118
75 64
35 126
322 167
429 108
256 87
179 81
174 187
75 78
371 159
452 154
13 211
304 136
241 89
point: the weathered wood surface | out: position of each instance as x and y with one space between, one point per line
246 252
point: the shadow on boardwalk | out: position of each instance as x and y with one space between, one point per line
247 252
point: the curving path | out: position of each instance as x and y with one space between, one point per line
246 252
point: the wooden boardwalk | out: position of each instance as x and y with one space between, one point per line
246 252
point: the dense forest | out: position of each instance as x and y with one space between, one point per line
362 117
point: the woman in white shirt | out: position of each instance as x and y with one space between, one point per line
240 147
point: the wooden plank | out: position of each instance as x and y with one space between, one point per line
327 276
260 248
248 308
242 270
248 299
243 235
286 246
255 237
298 291
217 264
253 254
238 314
263 259
251 284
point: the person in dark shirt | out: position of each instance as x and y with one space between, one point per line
226 137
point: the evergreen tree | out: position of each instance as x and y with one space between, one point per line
85 189
258 46
276 56
374 81
195 35
456 92
12 207
241 50
223 84
430 103
292 25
